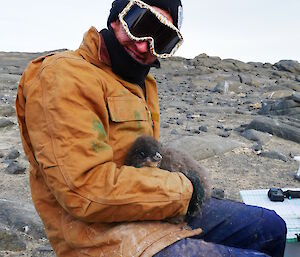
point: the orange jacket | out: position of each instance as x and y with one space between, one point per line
77 120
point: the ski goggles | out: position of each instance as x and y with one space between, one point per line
143 23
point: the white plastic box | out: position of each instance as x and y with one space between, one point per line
288 210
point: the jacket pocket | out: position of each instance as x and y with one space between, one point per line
127 109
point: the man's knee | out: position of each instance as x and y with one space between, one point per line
274 224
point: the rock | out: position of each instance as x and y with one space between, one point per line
5 123
174 132
21 217
196 131
221 87
179 122
256 64
203 147
9 81
15 168
278 94
225 87
241 128
286 106
7 110
257 147
209 100
15 63
13 154
10 241
295 87
290 84
257 136
238 66
218 193
276 127
165 125
296 97
240 111
220 126
203 128
224 133
248 80
206 61
292 155
288 65
43 251
274 155
267 65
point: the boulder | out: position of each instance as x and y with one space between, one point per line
5 123
296 97
248 80
9 81
13 154
43 251
288 65
236 65
206 61
203 147
278 94
286 106
14 167
21 217
225 86
257 136
274 155
293 85
224 133
10 241
7 110
256 64
276 127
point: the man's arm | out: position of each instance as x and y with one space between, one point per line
64 117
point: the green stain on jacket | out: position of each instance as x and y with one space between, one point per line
99 145
97 125
137 117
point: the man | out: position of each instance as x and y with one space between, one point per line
79 112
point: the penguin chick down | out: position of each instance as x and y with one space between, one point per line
148 152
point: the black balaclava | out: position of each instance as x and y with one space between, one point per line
122 63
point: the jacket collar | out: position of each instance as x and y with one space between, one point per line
90 47
90 50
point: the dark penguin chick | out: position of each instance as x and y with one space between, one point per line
146 151
179 161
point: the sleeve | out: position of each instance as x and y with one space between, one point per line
68 124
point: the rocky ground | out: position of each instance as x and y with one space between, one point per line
240 120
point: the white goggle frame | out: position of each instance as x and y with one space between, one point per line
161 18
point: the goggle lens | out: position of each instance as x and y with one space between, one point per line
143 23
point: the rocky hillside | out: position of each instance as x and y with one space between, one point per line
240 120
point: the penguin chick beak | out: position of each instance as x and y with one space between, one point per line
157 157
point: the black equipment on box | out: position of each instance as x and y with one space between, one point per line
291 194
278 195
